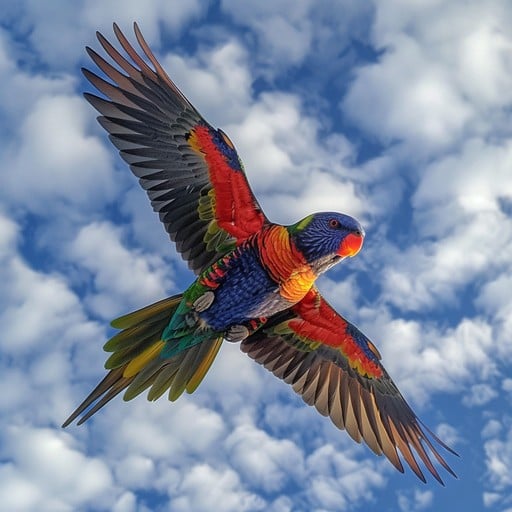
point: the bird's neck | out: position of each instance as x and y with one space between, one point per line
285 264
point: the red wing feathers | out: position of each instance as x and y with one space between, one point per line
334 367
190 171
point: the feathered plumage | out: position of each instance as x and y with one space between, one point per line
255 279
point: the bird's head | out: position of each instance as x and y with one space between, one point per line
326 238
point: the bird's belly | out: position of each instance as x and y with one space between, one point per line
247 292
272 304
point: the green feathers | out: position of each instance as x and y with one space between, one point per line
185 328
299 226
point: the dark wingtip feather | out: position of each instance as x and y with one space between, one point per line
380 417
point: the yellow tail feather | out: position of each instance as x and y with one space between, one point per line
138 366
137 363
203 367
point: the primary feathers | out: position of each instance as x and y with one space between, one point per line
255 279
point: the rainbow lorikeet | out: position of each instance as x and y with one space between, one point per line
255 279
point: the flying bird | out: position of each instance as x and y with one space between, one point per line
255 280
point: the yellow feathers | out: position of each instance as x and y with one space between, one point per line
137 363
203 367
298 284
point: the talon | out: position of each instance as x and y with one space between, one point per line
203 302
236 333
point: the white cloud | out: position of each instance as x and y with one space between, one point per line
498 457
217 81
406 97
56 160
146 427
473 179
434 272
127 502
491 429
286 158
422 359
44 470
135 472
441 87
338 481
415 501
204 488
36 307
28 86
174 15
491 498
120 276
57 32
266 462
497 434
443 70
287 33
283 28
479 394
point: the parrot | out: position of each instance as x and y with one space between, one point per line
255 280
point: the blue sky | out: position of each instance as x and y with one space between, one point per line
395 112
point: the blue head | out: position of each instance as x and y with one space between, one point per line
326 238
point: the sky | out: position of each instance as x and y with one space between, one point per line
395 112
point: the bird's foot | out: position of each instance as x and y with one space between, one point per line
203 302
236 333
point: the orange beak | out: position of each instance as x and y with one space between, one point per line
351 245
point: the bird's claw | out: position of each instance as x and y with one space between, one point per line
236 333
203 302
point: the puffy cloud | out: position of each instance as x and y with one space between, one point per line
217 81
204 488
268 463
120 276
415 501
135 471
57 33
479 394
287 34
284 29
35 306
405 97
287 159
43 469
174 16
23 86
423 90
422 359
433 273
473 180
162 431
498 454
338 481
55 159
491 429
457 199
434 295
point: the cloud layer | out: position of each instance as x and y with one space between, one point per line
394 112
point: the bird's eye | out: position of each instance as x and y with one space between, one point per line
334 223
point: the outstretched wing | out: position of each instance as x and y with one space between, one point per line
190 171
336 368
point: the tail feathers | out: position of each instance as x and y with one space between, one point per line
176 374
152 313
136 363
